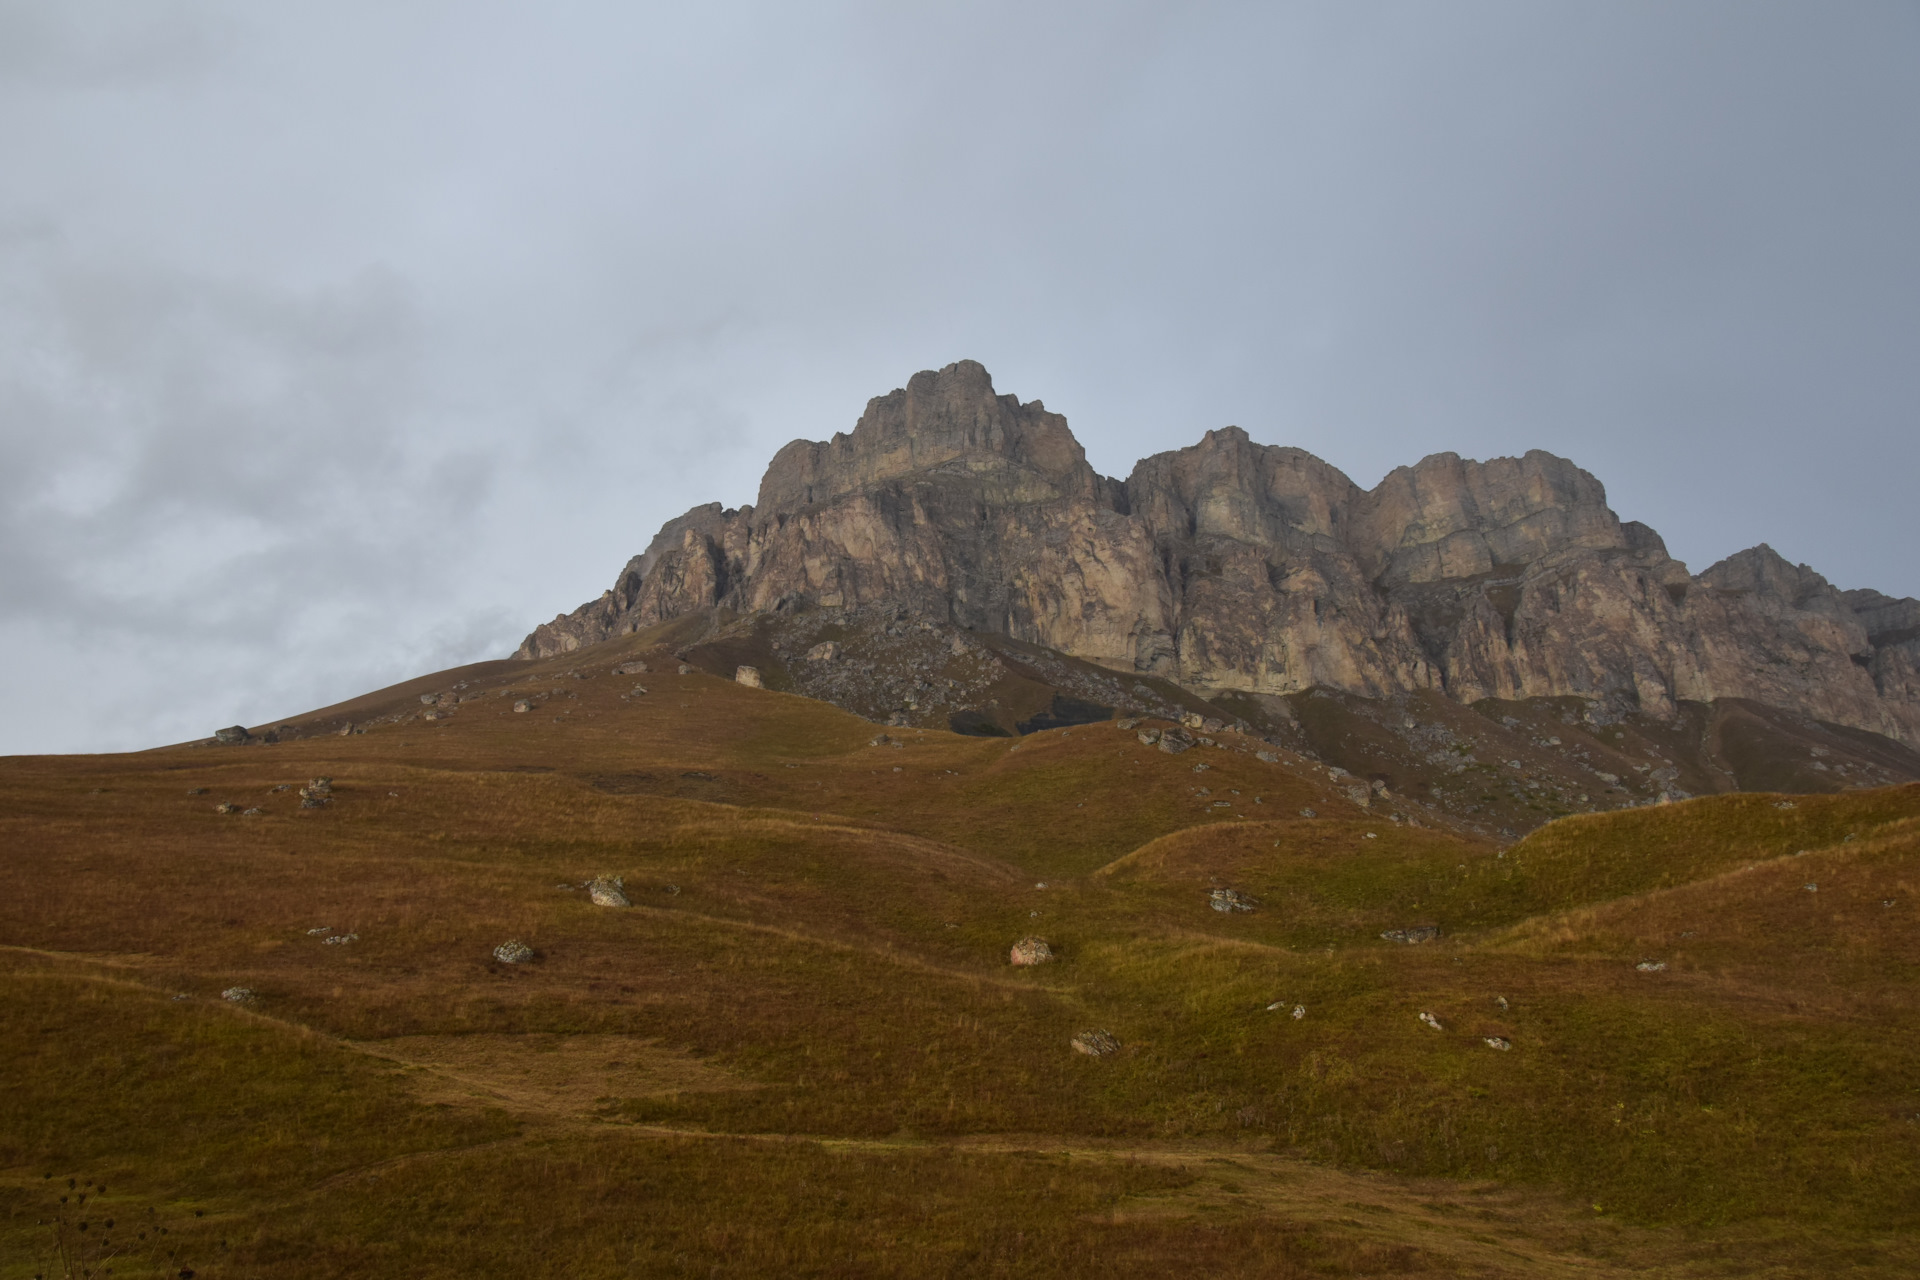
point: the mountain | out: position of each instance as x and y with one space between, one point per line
1231 567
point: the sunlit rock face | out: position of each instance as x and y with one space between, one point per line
1230 565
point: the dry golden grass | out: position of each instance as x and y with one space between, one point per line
802 1049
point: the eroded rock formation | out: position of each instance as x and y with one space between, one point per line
1231 565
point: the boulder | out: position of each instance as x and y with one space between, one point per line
748 676
1431 1021
1228 900
630 668
231 735
239 995
521 706
1499 1042
513 952
825 651
1030 951
1266 757
608 891
429 699
1095 1044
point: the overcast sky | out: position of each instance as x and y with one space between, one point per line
344 341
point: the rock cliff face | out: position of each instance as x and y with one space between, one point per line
1233 566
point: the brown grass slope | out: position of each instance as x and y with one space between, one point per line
802 1048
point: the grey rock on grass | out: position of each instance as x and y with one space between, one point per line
1095 1044
608 891
1030 951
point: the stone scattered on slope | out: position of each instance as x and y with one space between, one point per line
226 806
825 651
1030 951
1095 1044
513 952
239 995
1266 757
631 668
340 939
1308 813
196 791
521 706
608 891
1431 1021
429 699
1174 742
1652 966
231 735
1230 900
1413 934
748 676
1499 1042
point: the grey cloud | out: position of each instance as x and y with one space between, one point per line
337 338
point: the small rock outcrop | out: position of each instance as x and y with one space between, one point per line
1228 900
232 735
1413 933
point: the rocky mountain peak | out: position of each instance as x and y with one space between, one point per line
1236 567
1765 572
950 419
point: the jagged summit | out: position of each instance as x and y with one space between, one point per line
1235 566
952 421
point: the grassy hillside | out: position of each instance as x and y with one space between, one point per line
802 1049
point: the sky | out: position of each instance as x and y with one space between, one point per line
342 342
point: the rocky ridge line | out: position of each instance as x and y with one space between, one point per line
1234 567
